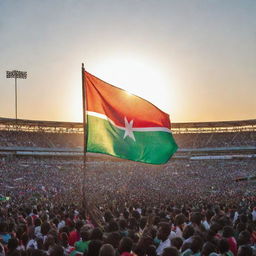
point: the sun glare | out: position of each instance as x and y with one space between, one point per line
137 76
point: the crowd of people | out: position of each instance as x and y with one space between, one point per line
40 139
75 140
216 139
54 206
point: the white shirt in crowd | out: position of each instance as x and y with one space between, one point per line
61 225
206 224
254 215
162 246
235 217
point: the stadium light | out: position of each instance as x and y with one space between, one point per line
16 74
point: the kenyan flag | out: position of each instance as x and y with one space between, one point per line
125 125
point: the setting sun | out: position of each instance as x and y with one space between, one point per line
137 76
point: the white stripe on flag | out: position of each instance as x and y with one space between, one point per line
145 129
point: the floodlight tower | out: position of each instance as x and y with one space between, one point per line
16 74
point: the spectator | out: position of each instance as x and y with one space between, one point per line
107 250
163 236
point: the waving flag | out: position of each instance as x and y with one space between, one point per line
125 125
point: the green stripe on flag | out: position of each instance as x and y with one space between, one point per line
154 147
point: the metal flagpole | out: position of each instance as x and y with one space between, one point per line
93 212
16 103
84 109
84 203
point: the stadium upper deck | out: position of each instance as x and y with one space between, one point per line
198 138
9 124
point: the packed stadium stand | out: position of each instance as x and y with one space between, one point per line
42 134
211 157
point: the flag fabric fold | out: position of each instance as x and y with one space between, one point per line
125 125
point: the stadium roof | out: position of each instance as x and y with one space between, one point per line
10 121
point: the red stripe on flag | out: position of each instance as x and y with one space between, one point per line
117 104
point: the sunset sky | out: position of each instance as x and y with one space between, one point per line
194 59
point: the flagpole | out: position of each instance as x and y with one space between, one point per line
84 109
84 203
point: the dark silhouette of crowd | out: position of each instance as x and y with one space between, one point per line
216 139
75 140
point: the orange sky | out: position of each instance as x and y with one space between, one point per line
194 59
